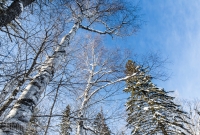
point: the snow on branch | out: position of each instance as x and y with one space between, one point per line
110 83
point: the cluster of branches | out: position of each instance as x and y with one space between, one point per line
54 81
27 74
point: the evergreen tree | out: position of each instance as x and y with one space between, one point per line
65 124
100 126
150 109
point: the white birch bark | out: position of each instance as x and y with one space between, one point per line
85 97
19 116
97 69
85 100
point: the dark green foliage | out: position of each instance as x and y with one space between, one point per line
151 110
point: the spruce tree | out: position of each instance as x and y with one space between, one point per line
100 125
65 123
150 109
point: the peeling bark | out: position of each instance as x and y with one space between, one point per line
23 109
13 87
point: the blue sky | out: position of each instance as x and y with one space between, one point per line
172 28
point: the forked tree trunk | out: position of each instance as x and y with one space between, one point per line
19 116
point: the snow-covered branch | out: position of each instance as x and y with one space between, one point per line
110 83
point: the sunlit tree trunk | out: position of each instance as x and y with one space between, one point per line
13 86
96 14
20 114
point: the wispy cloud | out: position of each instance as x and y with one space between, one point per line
173 28
177 32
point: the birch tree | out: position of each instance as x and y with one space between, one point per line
108 76
24 64
100 75
116 17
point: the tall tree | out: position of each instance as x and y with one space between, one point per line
150 109
85 15
99 75
23 69
95 78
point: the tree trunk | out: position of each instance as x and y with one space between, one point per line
19 116
14 10
14 85
79 128
80 125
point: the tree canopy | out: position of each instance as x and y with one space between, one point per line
58 77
